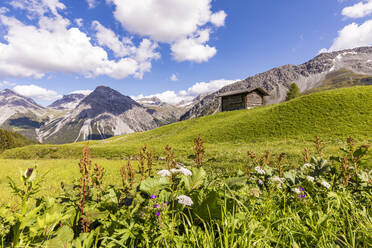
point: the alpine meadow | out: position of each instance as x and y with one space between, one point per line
125 124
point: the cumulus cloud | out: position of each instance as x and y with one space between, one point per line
178 23
53 46
218 19
194 49
351 36
91 3
79 22
354 35
358 10
3 10
36 92
188 95
173 77
84 92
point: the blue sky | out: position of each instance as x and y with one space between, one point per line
53 47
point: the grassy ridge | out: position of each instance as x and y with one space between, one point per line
10 140
332 115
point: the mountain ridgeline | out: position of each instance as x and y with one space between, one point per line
105 112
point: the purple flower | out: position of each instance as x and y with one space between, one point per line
156 206
157 213
302 189
29 172
302 196
167 203
153 196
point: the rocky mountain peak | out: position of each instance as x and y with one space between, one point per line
106 100
11 98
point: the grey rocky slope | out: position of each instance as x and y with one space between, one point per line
165 113
21 114
277 81
102 114
67 102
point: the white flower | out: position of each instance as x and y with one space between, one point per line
325 184
164 173
182 170
278 179
308 165
296 190
260 182
185 200
310 178
259 170
185 171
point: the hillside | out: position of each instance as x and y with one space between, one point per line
311 74
332 115
341 79
10 140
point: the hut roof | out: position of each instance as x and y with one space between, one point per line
237 92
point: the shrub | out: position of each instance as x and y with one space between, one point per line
293 92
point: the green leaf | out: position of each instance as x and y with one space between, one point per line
64 238
290 176
154 185
196 180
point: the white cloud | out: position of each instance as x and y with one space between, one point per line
106 37
218 19
194 49
84 92
3 10
358 10
92 3
52 46
199 88
5 84
79 22
353 35
173 77
36 92
178 23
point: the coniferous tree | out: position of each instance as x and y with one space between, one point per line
293 92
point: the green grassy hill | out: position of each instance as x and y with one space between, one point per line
10 140
290 126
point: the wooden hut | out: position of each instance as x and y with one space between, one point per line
242 99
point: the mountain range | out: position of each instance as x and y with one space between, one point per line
106 112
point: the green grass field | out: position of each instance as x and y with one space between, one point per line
290 126
317 219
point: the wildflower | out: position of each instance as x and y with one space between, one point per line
260 182
185 171
259 170
28 172
182 170
296 190
164 173
310 178
158 214
167 203
302 196
325 184
278 179
156 206
302 189
153 196
308 165
185 200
